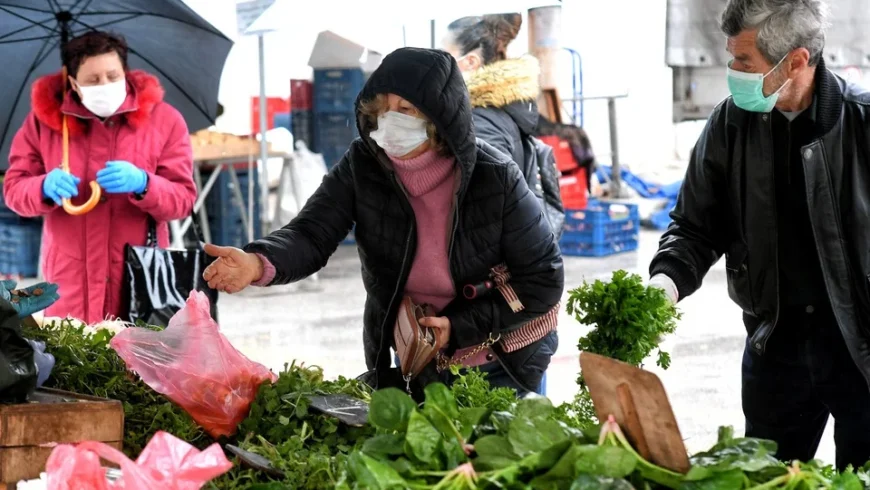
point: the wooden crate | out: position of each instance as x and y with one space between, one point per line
53 416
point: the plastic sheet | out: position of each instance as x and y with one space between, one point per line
167 463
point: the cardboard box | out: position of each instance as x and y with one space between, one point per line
333 51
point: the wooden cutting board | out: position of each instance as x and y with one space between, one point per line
639 403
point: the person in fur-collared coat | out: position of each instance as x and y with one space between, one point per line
121 135
504 94
503 91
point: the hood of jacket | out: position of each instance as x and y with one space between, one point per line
49 101
511 85
430 79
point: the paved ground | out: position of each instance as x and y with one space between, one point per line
320 323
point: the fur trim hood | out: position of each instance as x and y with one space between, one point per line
504 82
48 101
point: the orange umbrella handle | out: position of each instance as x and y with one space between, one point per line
96 191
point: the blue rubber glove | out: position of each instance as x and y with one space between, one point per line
121 177
30 300
59 185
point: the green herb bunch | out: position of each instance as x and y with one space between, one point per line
471 389
308 447
629 321
630 318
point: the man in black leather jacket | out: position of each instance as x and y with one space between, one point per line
779 182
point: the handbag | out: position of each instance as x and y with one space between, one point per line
416 345
158 282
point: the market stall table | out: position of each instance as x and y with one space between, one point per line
228 163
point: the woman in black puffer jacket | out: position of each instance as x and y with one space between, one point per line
414 113
504 94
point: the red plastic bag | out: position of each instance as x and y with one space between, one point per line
195 366
167 463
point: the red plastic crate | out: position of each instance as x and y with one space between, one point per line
572 185
274 105
301 95
562 151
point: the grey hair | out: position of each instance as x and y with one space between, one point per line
783 25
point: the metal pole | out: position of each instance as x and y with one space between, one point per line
615 181
264 149
432 32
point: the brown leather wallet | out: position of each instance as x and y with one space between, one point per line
416 345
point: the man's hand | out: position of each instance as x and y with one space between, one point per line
234 269
667 285
441 324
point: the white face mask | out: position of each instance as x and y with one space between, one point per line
104 100
399 134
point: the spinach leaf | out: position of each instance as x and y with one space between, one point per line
528 436
372 474
745 454
493 453
439 396
469 419
391 409
726 480
422 440
592 482
608 461
384 445
562 474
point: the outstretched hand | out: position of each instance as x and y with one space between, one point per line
234 269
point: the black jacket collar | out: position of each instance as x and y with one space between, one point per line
829 99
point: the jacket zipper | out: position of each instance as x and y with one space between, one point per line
452 236
398 283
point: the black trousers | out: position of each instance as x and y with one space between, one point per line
806 375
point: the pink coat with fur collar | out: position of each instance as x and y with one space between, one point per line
84 255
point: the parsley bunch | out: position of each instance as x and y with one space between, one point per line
629 321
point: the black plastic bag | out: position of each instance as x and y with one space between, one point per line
158 282
18 370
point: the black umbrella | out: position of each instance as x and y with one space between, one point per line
166 38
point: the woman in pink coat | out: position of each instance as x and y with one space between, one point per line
122 135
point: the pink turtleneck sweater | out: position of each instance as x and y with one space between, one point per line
430 184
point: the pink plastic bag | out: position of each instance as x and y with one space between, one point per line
195 366
167 463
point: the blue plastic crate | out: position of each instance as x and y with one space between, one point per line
603 228
283 120
7 214
542 389
302 127
19 248
336 89
350 239
224 217
333 134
